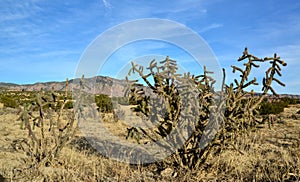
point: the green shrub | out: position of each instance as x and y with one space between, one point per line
276 107
9 101
272 107
290 100
104 103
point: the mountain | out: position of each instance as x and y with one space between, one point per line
7 85
97 85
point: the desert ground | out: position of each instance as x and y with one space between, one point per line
270 153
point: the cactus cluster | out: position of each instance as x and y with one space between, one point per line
187 110
50 127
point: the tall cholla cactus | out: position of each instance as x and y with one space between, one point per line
242 105
164 86
175 102
216 117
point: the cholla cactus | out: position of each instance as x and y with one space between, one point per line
216 116
242 106
164 86
177 102
52 132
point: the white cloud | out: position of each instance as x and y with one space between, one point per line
107 4
182 11
11 11
210 27
10 16
57 53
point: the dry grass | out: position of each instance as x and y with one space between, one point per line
264 155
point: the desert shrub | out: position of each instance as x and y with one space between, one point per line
272 107
276 107
289 100
211 119
104 103
14 99
9 101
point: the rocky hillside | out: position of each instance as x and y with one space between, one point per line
97 85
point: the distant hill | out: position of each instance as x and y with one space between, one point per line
98 84
7 85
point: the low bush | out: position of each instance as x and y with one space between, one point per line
272 107
104 103
9 101
276 107
289 100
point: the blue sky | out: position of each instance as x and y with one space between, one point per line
43 40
